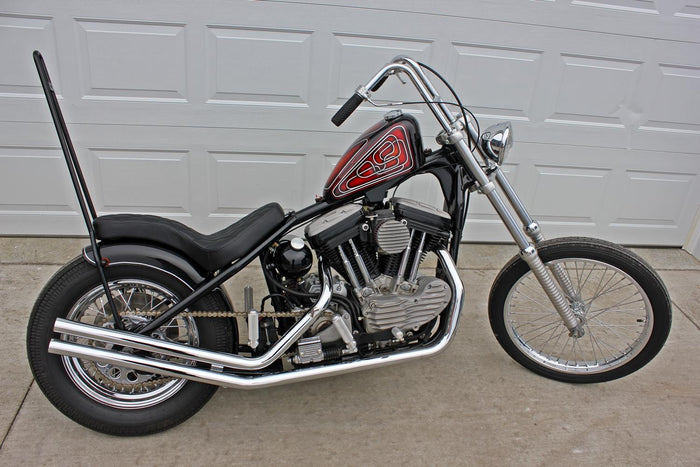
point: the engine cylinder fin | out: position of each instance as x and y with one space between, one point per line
389 264
369 258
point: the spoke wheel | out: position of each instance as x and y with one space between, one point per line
621 302
110 398
116 386
615 312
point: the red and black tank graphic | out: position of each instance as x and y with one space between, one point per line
383 152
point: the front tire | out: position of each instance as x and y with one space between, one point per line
622 303
108 398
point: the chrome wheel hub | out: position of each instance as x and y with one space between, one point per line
117 386
580 311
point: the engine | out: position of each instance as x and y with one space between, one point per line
378 252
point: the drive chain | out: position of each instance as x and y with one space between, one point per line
149 385
224 314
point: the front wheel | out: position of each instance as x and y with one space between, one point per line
621 302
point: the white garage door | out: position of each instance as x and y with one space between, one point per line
201 111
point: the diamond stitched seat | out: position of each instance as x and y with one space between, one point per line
210 252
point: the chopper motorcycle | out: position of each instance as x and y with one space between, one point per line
135 335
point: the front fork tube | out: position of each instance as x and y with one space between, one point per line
529 254
527 251
532 229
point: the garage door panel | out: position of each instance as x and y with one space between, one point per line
616 194
356 57
676 104
243 181
594 90
28 181
491 89
19 35
555 14
132 60
584 189
652 198
671 121
138 180
258 66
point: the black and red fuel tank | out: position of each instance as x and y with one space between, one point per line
390 149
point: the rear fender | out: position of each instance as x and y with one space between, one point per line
153 257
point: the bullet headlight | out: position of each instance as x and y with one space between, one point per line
496 141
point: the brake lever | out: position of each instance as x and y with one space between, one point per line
388 104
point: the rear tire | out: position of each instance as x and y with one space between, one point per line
107 398
622 303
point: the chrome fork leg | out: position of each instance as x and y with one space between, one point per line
532 229
527 251
530 256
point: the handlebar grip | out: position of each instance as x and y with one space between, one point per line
347 109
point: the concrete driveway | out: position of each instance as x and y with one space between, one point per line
471 405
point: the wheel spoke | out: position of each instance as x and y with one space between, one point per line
601 286
614 308
578 276
553 323
562 331
606 290
615 350
131 295
158 305
120 294
585 281
541 305
616 329
590 337
600 348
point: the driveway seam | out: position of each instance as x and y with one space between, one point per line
12 423
690 318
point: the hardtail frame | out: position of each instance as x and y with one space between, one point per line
382 158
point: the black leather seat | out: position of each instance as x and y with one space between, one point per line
210 252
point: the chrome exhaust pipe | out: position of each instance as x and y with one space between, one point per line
203 356
217 359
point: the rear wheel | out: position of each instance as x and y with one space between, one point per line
621 302
110 398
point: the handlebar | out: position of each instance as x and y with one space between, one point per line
421 82
453 131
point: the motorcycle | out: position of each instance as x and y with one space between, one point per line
135 335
